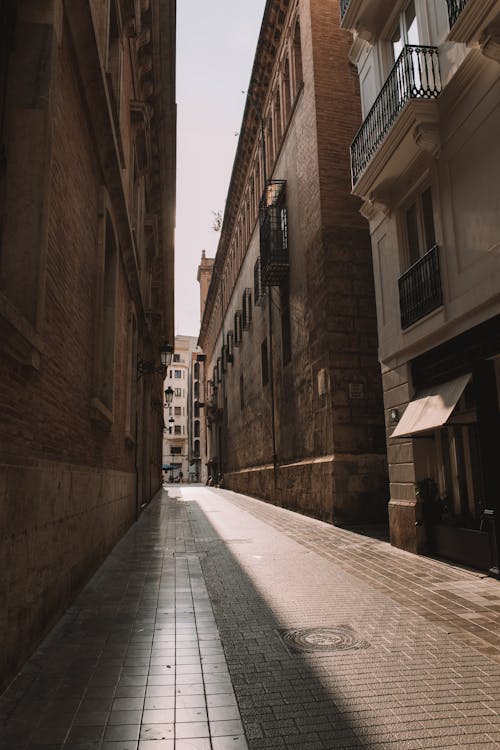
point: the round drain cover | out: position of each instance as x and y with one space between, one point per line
322 639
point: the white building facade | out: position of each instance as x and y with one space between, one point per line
177 434
426 162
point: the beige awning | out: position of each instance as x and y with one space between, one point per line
431 408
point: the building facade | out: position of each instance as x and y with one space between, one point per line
87 181
179 431
425 162
294 406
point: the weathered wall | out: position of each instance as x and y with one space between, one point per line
68 488
330 444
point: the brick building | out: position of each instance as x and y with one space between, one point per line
294 405
426 162
87 180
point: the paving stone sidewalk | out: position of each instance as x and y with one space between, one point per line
212 616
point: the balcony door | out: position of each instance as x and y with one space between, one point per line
419 227
406 31
404 43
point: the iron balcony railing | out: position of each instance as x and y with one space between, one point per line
415 75
455 7
420 290
344 4
274 234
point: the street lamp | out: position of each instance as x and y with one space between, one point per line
169 394
145 367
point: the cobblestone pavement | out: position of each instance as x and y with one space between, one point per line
223 622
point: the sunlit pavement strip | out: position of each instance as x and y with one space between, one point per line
419 684
183 638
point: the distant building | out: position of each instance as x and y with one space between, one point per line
426 162
205 270
87 200
179 424
294 401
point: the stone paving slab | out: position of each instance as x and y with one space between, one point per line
182 642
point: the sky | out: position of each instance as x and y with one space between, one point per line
215 49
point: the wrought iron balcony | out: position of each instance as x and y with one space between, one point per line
420 289
344 4
274 234
415 75
455 7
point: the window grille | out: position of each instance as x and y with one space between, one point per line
257 283
274 234
230 346
247 309
238 327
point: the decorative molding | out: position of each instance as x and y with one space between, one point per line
427 137
489 43
357 49
375 206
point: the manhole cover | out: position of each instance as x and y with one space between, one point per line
322 640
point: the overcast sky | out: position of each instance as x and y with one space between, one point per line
215 49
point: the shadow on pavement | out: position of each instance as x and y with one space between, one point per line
282 699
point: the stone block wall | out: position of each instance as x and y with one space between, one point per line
57 523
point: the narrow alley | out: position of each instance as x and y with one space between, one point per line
220 621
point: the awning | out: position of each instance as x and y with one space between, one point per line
431 408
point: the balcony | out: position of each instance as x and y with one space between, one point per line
398 125
368 17
344 4
476 22
420 289
455 7
274 234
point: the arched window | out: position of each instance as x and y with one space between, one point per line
197 428
196 449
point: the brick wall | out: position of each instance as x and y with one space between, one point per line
68 486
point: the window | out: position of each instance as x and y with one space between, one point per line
247 309
406 31
196 410
285 87
238 328
196 389
197 428
196 370
178 374
177 411
177 429
286 338
297 58
264 362
176 450
242 393
419 227
219 369
177 391
177 357
230 345
257 282
196 448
